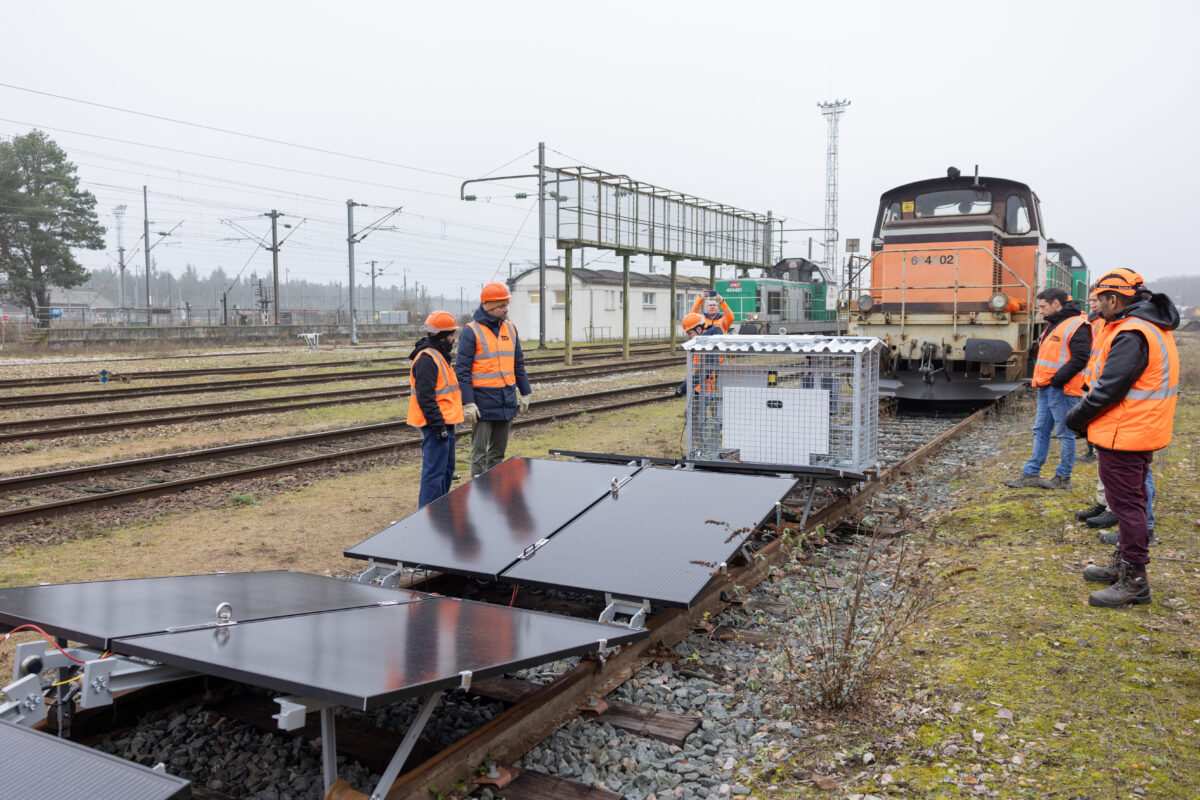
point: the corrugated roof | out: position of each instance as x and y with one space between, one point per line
780 344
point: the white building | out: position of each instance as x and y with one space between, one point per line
597 303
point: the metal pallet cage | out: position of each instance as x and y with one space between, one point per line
799 401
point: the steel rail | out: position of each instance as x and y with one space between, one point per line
172 415
101 396
511 734
122 495
248 369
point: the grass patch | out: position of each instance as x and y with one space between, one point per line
1015 684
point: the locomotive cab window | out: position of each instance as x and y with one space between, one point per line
1016 215
953 203
891 214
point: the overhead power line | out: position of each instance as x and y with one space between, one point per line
230 132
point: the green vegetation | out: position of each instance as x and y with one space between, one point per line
1014 686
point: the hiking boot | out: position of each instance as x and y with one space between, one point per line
1057 482
1132 588
1112 537
1104 573
1105 519
1089 512
1026 482
1088 457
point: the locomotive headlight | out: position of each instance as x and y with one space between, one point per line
866 302
999 302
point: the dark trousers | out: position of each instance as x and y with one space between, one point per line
488 444
437 465
1123 474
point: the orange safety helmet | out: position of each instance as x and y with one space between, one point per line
440 322
691 320
1122 281
495 293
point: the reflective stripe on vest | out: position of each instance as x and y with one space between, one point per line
1144 419
1089 372
446 392
495 361
1055 351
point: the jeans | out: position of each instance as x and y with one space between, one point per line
488 445
1052 407
437 465
1124 476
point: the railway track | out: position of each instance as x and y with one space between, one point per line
85 424
107 395
55 492
252 369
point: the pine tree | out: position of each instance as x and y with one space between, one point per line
43 214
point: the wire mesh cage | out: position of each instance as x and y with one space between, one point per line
802 401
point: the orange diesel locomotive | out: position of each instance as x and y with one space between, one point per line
956 264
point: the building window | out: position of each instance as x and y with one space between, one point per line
647 299
560 297
535 298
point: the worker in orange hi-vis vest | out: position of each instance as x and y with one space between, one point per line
1058 378
1128 413
435 404
713 310
491 373
1096 321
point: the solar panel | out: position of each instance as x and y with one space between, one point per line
481 527
368 657
38 766
661 538
95 613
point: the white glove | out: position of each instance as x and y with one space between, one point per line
470 414
522 402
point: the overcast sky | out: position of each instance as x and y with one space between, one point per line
1094 105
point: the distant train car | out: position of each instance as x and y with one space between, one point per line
1068 258
794 296
956 264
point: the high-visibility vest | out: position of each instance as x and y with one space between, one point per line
1089 372
1055 351
446 391
1144 419
495 356
704 372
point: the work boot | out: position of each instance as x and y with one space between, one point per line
1112 537
1132 588
1026 482
1057 482
1104 573
1091 511
1105 519
1088 457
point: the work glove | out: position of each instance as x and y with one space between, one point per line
470 414
681 389
522 402
1077 419
443 433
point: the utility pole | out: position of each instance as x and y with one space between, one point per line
832 111
146 246
119 213
274 215
374 274
350 204
542 250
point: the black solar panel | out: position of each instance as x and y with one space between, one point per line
95 613
660 539
38 766
368 657
481 527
